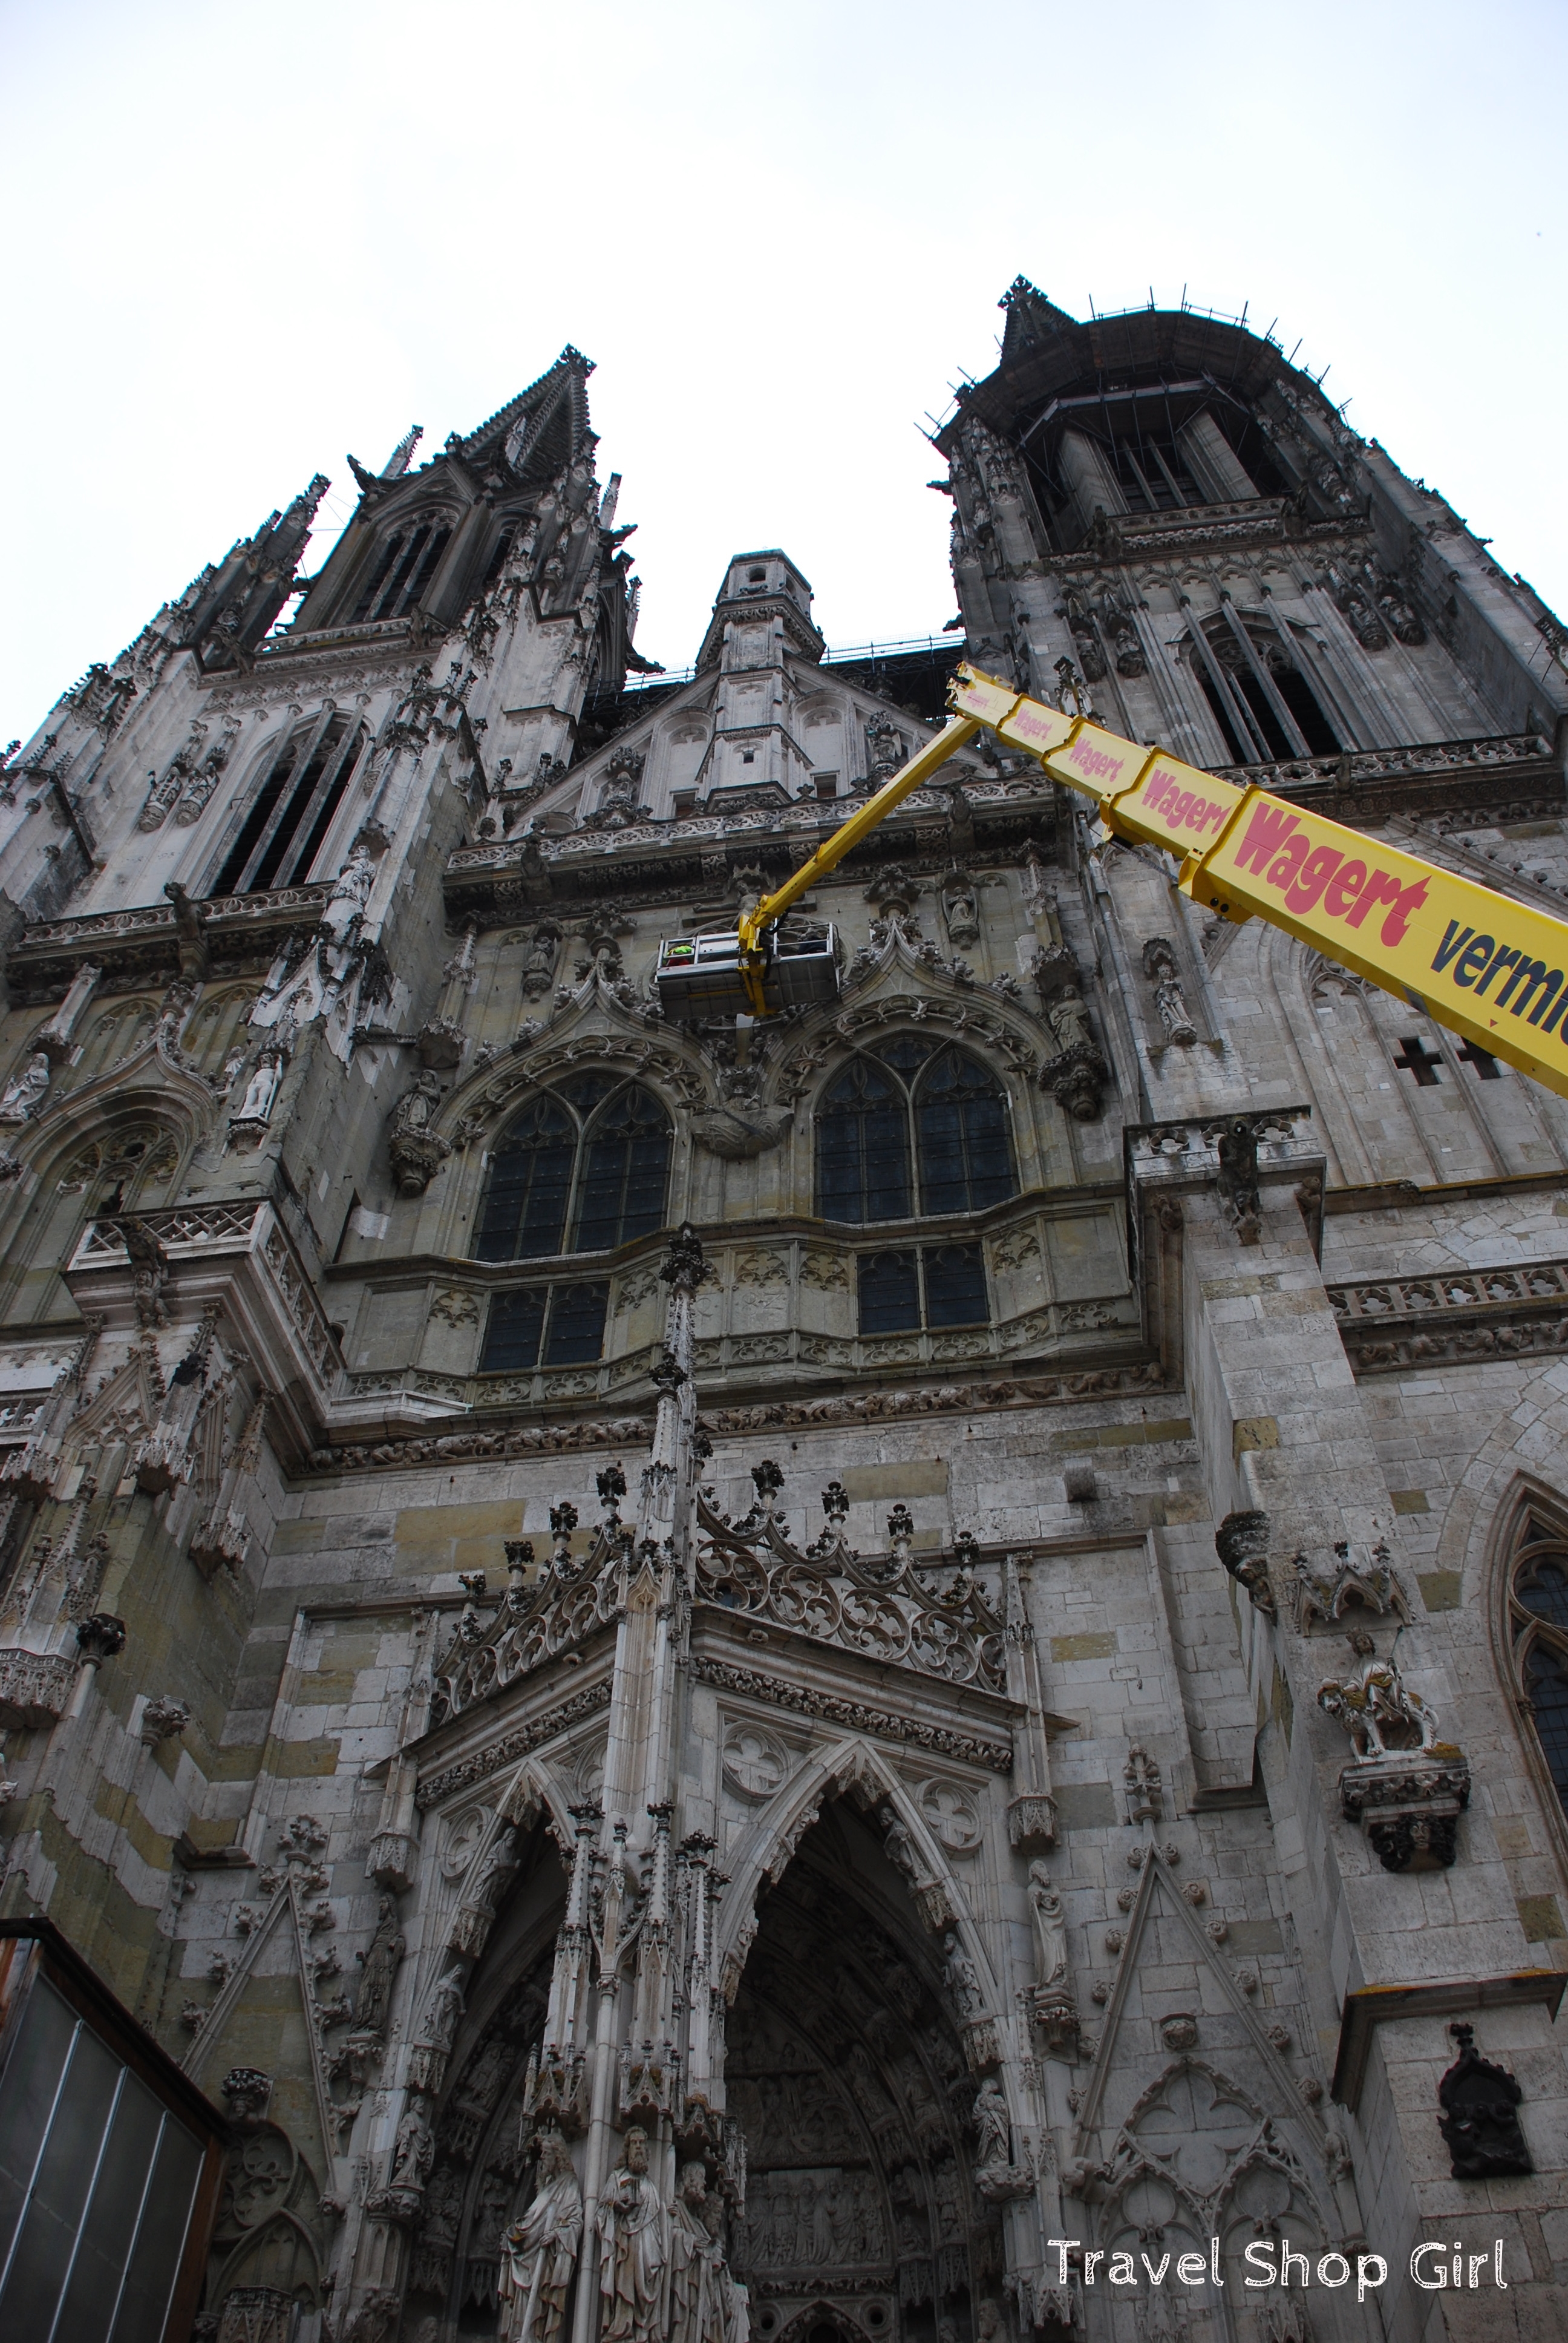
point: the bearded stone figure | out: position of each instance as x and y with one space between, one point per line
698 2281
634 2246
540 2252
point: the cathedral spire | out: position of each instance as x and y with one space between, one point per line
398 462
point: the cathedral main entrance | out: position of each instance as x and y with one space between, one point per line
846 2076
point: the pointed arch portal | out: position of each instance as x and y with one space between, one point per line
845 2073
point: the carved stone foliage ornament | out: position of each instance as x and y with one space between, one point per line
882 1607
1480 2119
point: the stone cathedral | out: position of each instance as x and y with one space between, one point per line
897 1673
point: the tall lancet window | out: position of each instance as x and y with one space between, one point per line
580 1170
402 568
292 809
913 1129
1263 701
1538 1626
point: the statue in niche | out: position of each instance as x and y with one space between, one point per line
540 960
350 893
24 1092
262 1088
1163 970
443 2008
540 2252
884 748
962 1979
379 1965
961 907
1050 1924
413 2149
632 2226
993 2125
900 1845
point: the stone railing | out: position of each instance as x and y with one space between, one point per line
1457 1317
1358 766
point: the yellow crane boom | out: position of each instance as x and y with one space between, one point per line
1487 967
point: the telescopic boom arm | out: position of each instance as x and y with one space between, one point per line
1486 966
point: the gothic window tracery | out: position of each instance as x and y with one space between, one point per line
403 565
1538 1630
578 1170
292 807
913 1129
1262 698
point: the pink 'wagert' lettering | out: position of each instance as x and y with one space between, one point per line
1026 722
1270 826
1093 763
1182 808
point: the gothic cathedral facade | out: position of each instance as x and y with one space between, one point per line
804 1678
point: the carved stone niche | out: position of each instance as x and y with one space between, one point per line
1356 1574
1405 1788
1031 1821
1077 1074
1055 2013
1480 2121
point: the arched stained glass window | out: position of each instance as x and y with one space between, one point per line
1538 1623
579 1171
863 1147
914 1129
626 1161
531 1185
960 1122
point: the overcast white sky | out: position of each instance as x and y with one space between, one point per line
243 239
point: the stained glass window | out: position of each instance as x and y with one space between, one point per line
597 1169
1538 1614
934 1111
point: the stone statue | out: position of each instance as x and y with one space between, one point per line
884 747
413 2148
443 2008
696 2271
540 960
961 1979
740 1126
350 893
380 1964
633 2239
262 1088
993 2125
961 908
900 1845
416 1110
540 2252
1049 1922
416 1153
25 1091
1382 1715
1068 1020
